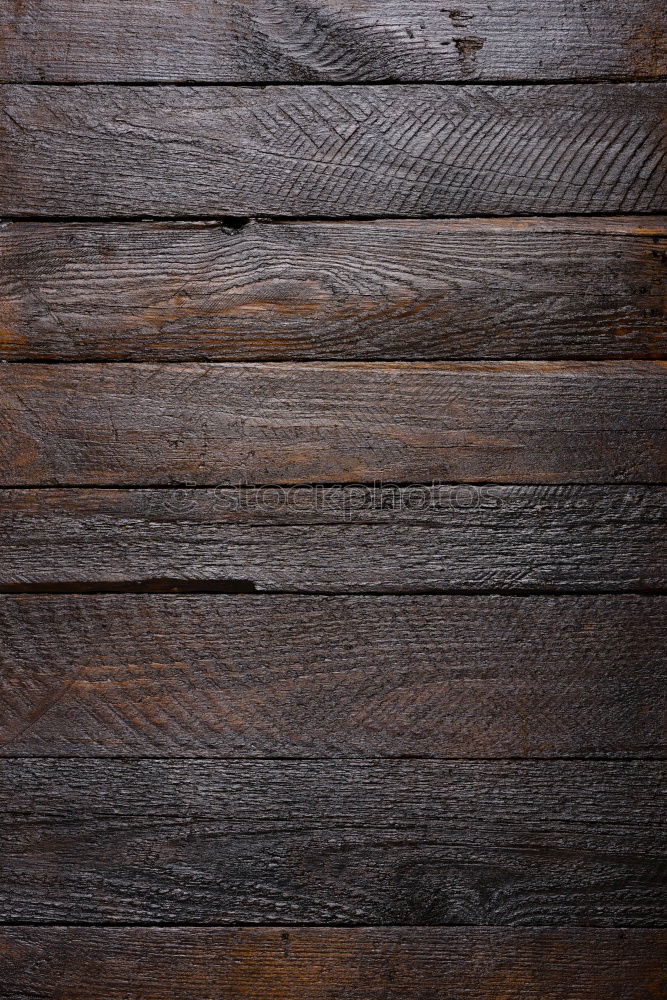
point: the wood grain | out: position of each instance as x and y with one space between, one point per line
341 841
295 676
567 538
105 963
402 290
332 151
295 423
327 40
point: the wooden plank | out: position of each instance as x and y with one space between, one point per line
402 290
296 676
229 424
332 151
441 538
181 963
325 40
342 841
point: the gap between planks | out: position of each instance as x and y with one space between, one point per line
246 588
369 84
519 928
239 222
599 758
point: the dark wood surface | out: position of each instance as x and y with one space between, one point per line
295 963
397 842
229 424
516 538
460 718
291 676
403 290
101 40
332 151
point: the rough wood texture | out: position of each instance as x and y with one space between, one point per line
328 40
230 424
348 676
332 151
445 538
534 288
344 841
104 963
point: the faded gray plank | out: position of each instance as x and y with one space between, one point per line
181 963
445 538
390 842
332 151
229 424
328 40
403 290
220 676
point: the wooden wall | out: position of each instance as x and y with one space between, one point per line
332 506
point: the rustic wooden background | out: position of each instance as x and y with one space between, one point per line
332 461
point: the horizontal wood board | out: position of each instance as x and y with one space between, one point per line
104 963
519 843
291 423
329 40
449 537
402 290
332 151
247 676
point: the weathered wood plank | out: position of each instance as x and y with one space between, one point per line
402 290
344 841
229 424
295 676
326 40
114 963
332 151
562 539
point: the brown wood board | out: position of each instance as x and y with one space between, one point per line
219 676
332 151
329 41
298 963
519 843
292 423
402 290
421 538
